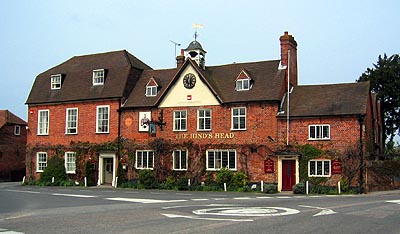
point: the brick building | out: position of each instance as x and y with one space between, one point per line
12 146
193 120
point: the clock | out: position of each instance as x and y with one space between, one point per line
189 80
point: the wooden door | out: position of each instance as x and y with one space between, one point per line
288 174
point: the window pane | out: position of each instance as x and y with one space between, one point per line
312 132
151 158
327 168
183 159
319 168
232 160
325 131
312 168
210 159
224 159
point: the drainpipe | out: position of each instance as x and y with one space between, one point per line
288 101
361 118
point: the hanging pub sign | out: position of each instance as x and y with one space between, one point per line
269 166
336 167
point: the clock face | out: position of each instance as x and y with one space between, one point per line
189 80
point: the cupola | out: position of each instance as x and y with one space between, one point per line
196 52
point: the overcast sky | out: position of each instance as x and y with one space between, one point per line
337 40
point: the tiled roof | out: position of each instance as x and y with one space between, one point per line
6 117
77 74
267 82
328 100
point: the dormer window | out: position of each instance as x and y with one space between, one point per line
243 84
151 88
98 77
243 81
56 81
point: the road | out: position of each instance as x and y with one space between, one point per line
25 209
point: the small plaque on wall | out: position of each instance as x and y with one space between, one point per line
336 167
269 166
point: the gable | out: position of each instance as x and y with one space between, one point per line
198 95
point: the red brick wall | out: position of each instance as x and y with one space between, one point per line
86 124
12 153
344 132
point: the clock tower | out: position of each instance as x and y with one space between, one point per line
196 52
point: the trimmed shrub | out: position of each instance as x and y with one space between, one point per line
55 168
146 179
224 175
299 188
240 179
270 188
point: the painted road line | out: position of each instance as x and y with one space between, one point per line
21 191
203 218
264 197
324 211
6 231
247 211
394 201
242 198
140 200
284 197
72 195
200 199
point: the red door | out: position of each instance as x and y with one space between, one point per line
288 174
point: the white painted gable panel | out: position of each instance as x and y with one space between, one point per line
199 95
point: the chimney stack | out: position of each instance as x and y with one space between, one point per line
180 59
289 44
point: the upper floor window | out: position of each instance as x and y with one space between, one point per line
319 168
242 84
180 120
41 161
56 81
43 122
102 119
70 165
319 132
239 118
180 159
17 130
204 119
71 121
151 91
217 159
98 77
144 159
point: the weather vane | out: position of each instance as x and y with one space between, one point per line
196 26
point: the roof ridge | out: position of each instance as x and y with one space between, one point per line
240 63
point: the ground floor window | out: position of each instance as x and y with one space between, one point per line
180 159
220 158
144 159
319 168
70 165
41 161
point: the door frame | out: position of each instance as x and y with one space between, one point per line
287 157
103 156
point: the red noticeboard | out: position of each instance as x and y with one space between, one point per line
269 166
336 167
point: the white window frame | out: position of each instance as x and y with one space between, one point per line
151 91
178 163
238 117
43 124
241 84
41 161
215 159
98 77
100 120
69 121
202 119
316 168
56 81
17 130
317 130
70 162
142 159
180 123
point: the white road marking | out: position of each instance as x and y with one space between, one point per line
242 198
140 200
72 195
324 211
22 191
264 197
394 201
202 218
6 231
200 199
247 211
